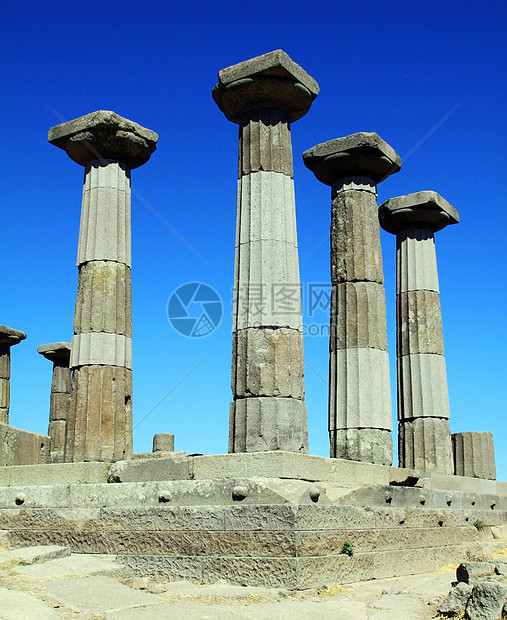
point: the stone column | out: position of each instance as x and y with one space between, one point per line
99 425
424 438
264 95
360 413
8 338
59 354
474 455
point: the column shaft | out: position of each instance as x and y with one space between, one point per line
100 415
5 375
359 392
424 437
423 402
268 412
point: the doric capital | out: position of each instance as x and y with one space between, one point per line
272 79
426 209
104 134
9 337
56 352
362 154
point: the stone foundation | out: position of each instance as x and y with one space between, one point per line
20 447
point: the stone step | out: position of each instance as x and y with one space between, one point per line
34 555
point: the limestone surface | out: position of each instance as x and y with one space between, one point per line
20 447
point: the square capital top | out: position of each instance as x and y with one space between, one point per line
362 154
56 351
425 208
10 337
104 134
273 78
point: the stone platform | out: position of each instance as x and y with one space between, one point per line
275 519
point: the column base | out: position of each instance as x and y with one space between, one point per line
474 455
370 445
99 425
425 444
268 424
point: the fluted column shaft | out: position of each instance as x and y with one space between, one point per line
268 411
474 455
5 388
61 384
100 416
359 392
424 438
99 424
360 420
8 338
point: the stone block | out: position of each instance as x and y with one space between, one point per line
423 390
268 293
105 349
258 220
264 143
283 464
104 234
359 154
159 567
20 447
9 337
424 444
424 209
35 555
474 455
356 254
99 425
419 321
370 445
57 474
163 442
17 605
109 134
358 316
416 261
487 600
273 78
104 298
268 424
144 470
57 434
360 393
268 362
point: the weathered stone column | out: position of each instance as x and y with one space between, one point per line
8 338
264 95
59 354
360 413
424 438
99 425
474 455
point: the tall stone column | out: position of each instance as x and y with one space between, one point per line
99 425
59 354
359 393
424 438
8 338
264 95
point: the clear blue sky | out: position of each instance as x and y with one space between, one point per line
396 68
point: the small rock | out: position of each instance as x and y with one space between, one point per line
487 601
140 583
239 493
455 603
